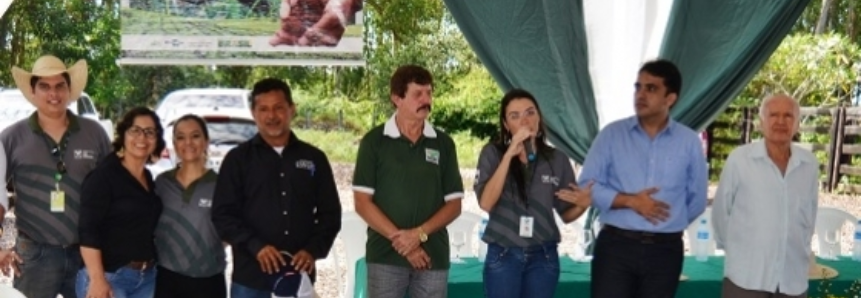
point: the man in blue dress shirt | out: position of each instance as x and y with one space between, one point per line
651 182
765 209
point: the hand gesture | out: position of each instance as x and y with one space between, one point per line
9 262
405 241
419 259
270 259
99 288
646 206
516 145
303 261
579 196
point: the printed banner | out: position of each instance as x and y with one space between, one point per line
242 32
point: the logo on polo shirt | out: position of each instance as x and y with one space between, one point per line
85 154
204 203
547 179
432 156
306 165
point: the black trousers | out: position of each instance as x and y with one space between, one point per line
628 264
169 284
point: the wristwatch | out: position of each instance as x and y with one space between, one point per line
423 237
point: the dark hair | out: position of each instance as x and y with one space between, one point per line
267 85
516 170
194 118
407 74
35 79
666 70
126 123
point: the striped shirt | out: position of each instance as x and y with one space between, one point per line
185 238
32 169
549 173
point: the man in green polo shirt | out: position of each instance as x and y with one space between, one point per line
407 187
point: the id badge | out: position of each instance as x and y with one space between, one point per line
526 223
58 201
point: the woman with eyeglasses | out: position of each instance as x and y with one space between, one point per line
119 211
191 255
521 181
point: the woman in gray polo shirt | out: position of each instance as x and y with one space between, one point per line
191 257
521 181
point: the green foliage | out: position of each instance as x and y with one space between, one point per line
815 69
472 107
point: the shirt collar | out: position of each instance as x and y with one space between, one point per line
391 129
634 123
759 152
258 140
33 121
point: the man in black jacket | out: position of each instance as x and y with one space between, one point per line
275 197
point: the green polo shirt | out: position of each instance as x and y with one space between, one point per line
409 182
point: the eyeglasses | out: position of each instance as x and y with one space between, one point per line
61 166
514 116
137 131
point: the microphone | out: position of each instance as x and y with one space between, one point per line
530 150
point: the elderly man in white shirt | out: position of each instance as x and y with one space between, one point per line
764 211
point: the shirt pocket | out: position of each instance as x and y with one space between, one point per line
674 171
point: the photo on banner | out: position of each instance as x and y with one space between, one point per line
242 32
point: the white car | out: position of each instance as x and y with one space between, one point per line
226 130
14 107
200 101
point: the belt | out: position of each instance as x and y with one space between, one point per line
140 265
644 237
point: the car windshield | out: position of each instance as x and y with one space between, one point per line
230 131
14 107
195 101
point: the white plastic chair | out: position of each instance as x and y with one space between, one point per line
10 292
829 223
354 234
691 232
466 223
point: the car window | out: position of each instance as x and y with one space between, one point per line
14 107
230 131
194 101
85 106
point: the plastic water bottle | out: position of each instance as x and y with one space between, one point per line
482 246
702 241
856 244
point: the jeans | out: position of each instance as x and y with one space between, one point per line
125 282
390 281
240 291
47 270
625 267
511 272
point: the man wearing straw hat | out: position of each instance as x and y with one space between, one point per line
48 156
765 207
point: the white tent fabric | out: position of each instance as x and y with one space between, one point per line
621 36
4 5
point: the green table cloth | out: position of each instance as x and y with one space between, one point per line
704 278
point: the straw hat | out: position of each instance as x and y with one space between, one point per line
47 66
818 271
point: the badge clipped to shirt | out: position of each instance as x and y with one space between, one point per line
432 156
526 223
58 196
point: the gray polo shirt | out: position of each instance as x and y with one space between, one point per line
31 167
551 171
185 238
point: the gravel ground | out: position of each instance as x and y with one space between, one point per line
331 276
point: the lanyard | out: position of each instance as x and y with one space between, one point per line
58 151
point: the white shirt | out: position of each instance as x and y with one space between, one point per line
764 220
